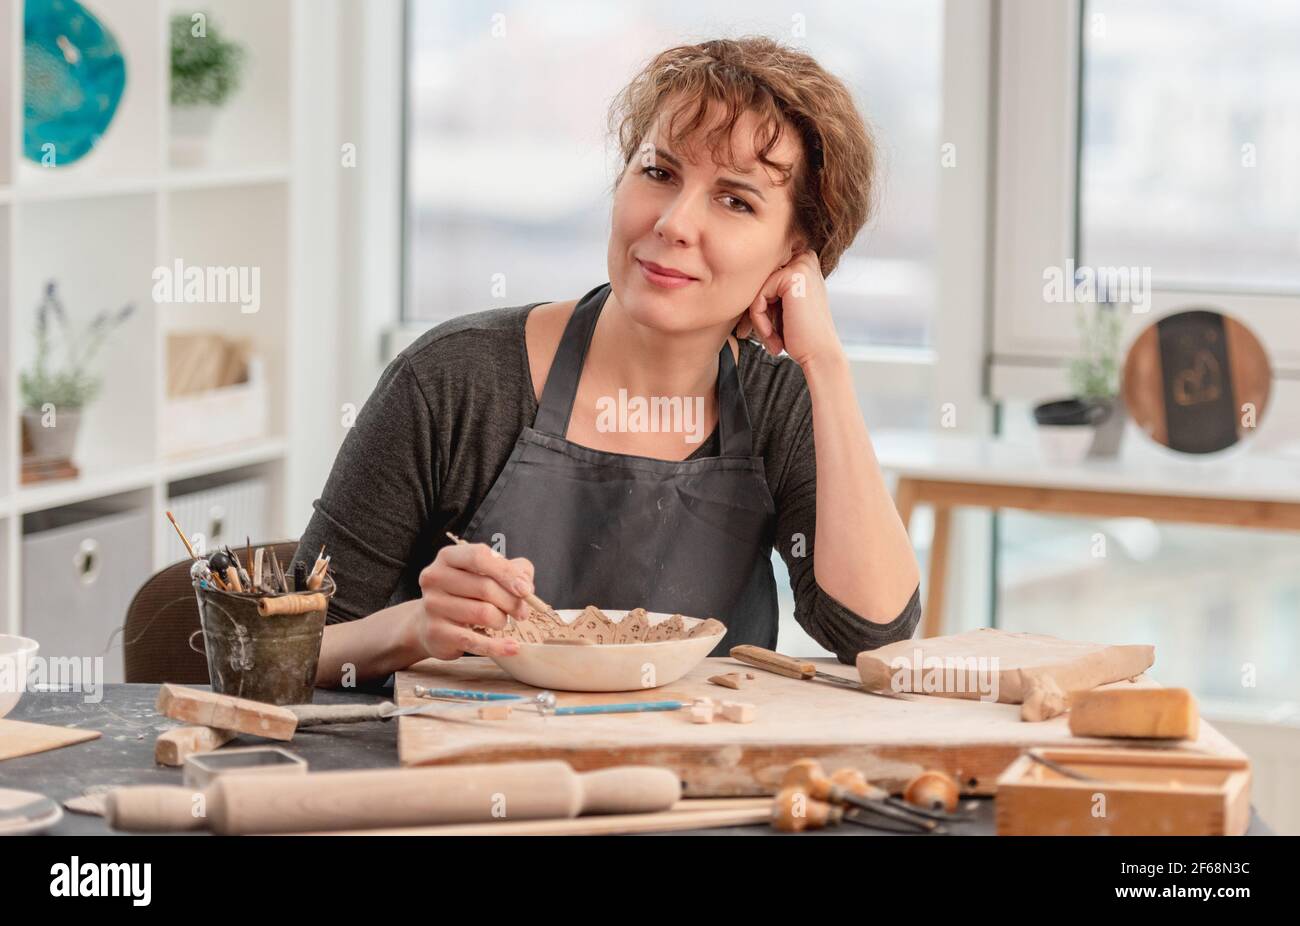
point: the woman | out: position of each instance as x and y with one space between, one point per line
747 174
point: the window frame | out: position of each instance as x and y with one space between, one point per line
1039 139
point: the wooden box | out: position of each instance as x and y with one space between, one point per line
1141 792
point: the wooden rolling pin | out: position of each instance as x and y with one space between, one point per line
238 804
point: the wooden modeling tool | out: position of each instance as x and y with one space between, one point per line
794 811
531 598
807 775
346 800
790 667
281 584
180 533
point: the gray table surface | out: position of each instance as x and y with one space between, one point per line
123 755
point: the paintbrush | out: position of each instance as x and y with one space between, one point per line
181 534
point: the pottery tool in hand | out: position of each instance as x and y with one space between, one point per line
346 800
531 598
791 667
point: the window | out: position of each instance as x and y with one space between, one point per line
1190 142
507 166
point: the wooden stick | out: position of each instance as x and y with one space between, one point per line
232 576
746 812
181 534
278 572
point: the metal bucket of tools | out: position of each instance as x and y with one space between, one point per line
263 657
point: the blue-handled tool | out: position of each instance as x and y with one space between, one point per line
460 694
632 707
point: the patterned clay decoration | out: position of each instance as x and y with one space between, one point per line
595 627
633 627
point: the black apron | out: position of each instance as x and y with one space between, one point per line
691 537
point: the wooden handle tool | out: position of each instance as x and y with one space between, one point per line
791 667
533 601
393 797
291 604
807 775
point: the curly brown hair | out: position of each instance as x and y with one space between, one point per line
833 191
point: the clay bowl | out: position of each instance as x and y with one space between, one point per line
610 666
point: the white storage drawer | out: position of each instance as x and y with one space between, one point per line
79 579
223 514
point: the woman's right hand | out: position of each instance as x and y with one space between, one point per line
467 586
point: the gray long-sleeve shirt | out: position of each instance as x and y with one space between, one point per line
440 425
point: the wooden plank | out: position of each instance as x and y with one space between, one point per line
1229 512
224 712
20 738
888 740
932 607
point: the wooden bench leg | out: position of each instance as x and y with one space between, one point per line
905 501
932 607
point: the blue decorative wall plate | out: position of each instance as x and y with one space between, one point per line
74 75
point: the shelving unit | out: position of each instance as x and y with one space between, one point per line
99 228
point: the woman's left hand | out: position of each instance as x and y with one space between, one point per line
791 312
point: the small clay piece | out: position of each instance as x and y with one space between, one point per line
934 790
633 627
494 712
751 676
738 711
707 628
592 624
527 632
1044 700
702 712
729 680
545 618
671 629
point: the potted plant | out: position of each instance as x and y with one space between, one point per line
1091 422
54 394
205 73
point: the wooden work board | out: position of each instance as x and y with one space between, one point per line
888 740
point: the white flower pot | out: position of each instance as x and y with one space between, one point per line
191 131
53 443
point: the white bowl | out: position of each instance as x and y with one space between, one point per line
611 666
14 654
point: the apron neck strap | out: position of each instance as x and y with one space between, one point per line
735 437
